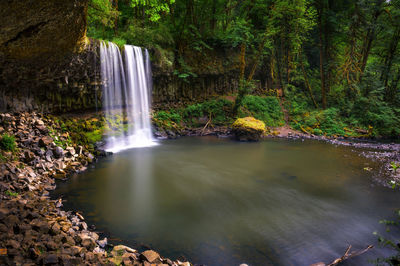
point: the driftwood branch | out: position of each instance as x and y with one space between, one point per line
347 255
208 123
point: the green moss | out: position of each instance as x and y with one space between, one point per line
11 193
94 136
68 131
249 123
7 143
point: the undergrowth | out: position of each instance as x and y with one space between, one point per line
7 143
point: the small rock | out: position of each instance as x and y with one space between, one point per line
70 150
90 158
50 259
39 122
4 213
40 226
150 255
75 250
88 243
89 256
45 141
58 152
51 245
60 176
69 240
84 226
103 243
29 156
59 165
55 229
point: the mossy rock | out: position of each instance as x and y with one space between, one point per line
248 129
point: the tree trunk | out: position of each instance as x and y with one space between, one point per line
258 57
370 37
327 49
213 15
321 58
306 81
116 17
242 60
389 62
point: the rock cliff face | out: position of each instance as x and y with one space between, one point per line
67 83
47 64
37 28
43 50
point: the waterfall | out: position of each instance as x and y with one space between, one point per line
126 96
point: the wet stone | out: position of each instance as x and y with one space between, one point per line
50 259
45 141
58 152
88 243
150 255
3 213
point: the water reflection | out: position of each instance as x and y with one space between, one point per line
219 202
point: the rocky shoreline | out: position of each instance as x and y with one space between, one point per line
35 230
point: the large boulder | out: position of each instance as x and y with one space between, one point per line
248 129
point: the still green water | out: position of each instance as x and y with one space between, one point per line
219 202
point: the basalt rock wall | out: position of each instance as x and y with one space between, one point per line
46 61
69 83
48 64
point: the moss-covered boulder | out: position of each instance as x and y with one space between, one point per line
248 129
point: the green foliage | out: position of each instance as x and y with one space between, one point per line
218 110
94 136
185 71
170 115
266 109
394 166
375 112
7 143
153 8
168 120
390 243
327 122
357 42
11 193
101 13
84 132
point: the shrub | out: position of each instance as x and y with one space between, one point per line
170 115
266 109
219 110
7 143
374 112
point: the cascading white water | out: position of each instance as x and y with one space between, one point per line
126 94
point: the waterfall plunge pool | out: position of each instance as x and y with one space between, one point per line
218 202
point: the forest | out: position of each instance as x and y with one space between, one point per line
200 132
336 64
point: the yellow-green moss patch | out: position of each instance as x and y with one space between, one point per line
250 123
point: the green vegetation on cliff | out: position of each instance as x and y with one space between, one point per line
336 64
